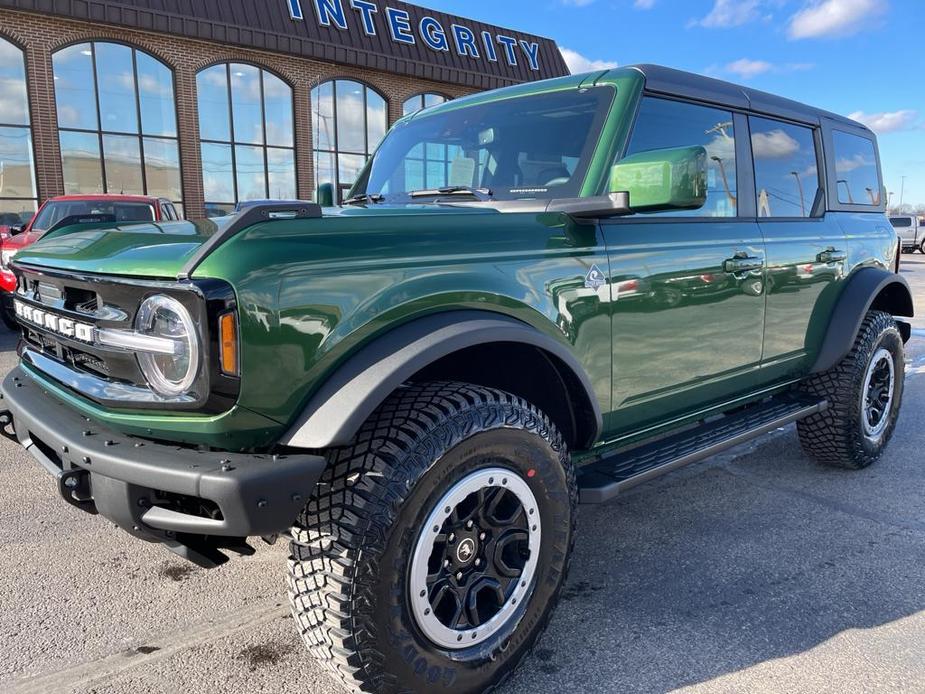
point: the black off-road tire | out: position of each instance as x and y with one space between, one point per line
351 548
836 436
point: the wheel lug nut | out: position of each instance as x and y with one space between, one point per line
452 537
459 576
481 536
446 562
478 562
469 525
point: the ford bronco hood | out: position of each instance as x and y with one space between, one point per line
161 250
139 250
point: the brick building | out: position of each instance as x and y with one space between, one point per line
209 103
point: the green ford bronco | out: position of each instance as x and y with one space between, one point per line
533 297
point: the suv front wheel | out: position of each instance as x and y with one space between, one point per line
864 391
435 549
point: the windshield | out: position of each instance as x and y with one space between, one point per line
901 222
54 212
523 148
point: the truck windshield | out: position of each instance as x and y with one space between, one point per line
54 212
521 148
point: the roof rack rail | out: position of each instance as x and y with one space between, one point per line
244 219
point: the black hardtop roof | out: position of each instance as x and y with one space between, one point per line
669 81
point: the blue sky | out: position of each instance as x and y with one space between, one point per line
863 58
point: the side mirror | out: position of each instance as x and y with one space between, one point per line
324 196
663 179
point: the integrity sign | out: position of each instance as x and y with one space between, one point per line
426 30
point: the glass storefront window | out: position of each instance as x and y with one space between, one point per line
349 120
416 103
247 135
117 121
17 168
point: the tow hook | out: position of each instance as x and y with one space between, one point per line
6 424
74 487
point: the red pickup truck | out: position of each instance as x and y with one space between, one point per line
68 210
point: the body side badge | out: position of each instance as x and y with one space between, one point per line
595 278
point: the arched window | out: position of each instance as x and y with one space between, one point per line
17 170
427 165
246 131
416 103
117 121
349 121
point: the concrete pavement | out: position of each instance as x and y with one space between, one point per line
754 571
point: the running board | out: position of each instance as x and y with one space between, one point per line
603 480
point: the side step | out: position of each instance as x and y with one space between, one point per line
603 480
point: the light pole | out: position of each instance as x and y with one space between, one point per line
902 192
848 188
889 200
796 175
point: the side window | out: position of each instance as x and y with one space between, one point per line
856 175
664 124
786 170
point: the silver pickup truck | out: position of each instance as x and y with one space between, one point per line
912 232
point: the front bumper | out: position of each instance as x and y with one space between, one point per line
195 502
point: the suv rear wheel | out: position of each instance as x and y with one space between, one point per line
864 392
435 551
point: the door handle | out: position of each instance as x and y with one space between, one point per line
830 255
743 263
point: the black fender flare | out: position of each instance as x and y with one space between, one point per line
357 387
868 285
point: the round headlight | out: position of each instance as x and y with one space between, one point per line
169 374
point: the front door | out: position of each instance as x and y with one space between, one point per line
688 300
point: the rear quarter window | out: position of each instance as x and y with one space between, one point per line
856 173
901 222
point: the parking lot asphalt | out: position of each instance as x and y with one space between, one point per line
755 571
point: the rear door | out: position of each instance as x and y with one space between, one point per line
687 286
806 247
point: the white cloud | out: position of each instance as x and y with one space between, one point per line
824 18
886 121
730 13
577 3
746 69
775 144
577 63
644 4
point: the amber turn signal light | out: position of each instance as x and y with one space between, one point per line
228 342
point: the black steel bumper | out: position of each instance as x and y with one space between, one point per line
195 502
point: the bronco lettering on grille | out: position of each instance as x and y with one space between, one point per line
53 322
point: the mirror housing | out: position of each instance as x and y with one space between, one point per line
324 196
601 206
663 179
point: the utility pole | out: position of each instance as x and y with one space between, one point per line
796 175
902 192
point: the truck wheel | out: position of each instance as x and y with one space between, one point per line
434 551
922 247
864 393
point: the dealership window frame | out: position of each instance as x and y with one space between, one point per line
25 126
335 152
232 143
139 134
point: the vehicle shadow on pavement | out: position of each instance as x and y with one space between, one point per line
710 572
8 339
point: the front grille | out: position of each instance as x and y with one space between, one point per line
109 375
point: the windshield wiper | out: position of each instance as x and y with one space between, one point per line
364 199
481 194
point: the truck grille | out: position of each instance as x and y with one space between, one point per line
51 304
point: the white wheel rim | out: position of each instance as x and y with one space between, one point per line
420 591
877 394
